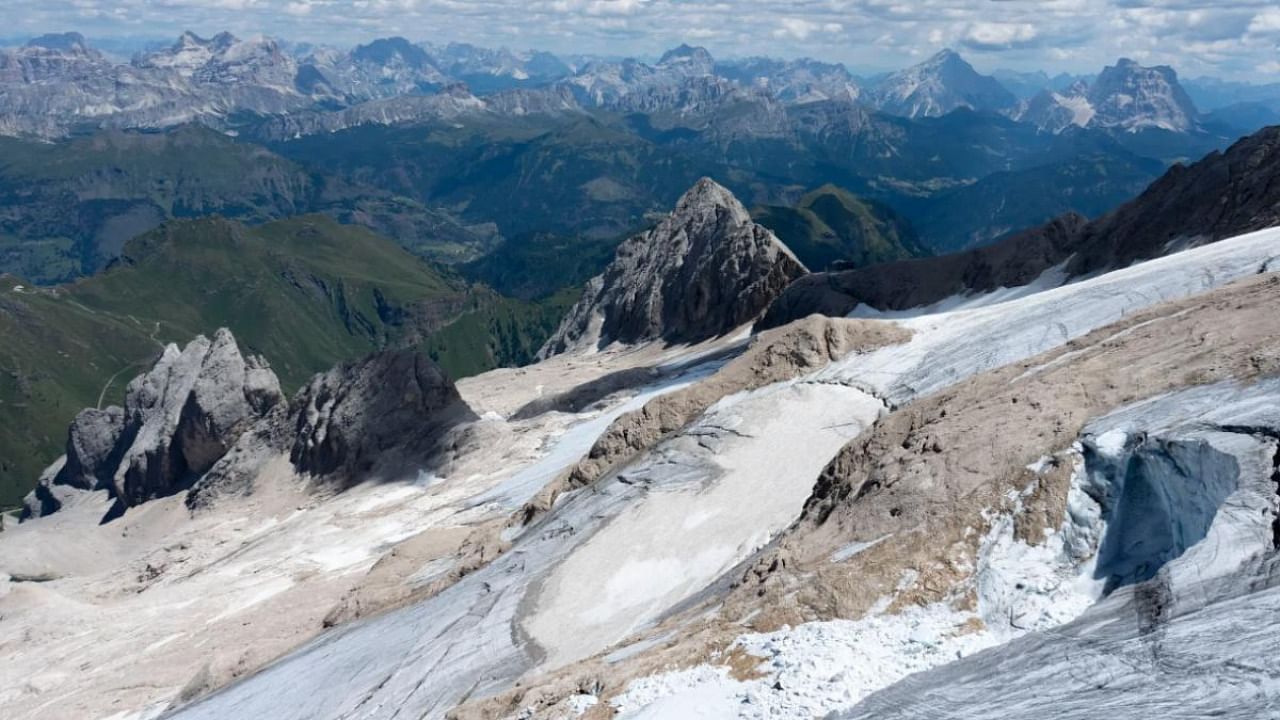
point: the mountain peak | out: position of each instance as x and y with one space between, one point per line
67 41
1133 97
685 53
939 85
707 193
943 56
705 270
188 38
384 50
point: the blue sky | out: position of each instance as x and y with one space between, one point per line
1230 39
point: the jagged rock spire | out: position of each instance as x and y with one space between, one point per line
703 271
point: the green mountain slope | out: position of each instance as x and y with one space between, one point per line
67 208
832 225
305 292
1006 202
538 265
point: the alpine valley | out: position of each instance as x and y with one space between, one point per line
422 380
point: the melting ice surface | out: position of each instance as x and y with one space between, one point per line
473 639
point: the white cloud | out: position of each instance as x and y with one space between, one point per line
802 29
1000 35
1266 22
615 7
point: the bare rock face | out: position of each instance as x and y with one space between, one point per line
178 420
906 284
701 272
388 413
385 409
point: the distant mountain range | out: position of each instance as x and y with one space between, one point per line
493 161
58 85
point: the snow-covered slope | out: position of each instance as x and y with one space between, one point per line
197 601
612 560
1193 641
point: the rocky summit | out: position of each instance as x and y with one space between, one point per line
387 408
378 417
178 419
703 271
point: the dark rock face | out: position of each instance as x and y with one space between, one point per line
386 409
209 419
914 283
1221 196
1225 194
701 272
381 416
178 420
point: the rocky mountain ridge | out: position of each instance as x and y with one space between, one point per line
206 419
703 271
228 82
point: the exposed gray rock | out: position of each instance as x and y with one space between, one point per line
1129 96
1125 96
701 272
906 284
236 474
179 418
385 410
939 85
387 413
91 448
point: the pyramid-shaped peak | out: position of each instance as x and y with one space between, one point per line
707 193
703 271
945 56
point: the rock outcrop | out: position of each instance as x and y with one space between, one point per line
387 408
378 416
209 419
177 421
703 271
